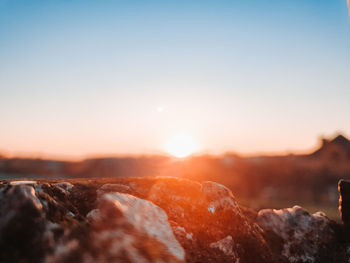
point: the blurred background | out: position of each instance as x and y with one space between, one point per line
309 180
236 92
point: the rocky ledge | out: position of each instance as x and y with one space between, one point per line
155 219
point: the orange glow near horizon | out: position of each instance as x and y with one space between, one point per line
181 146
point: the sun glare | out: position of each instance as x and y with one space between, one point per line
181 146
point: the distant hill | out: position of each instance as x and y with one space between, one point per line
337 149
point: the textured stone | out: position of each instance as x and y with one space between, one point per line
21 224
155 219
210 212
147 218
344 205
228 247
305 237
123 228
108 188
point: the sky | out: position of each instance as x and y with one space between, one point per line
81 78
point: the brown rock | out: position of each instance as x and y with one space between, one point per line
305 238
344 205
138 219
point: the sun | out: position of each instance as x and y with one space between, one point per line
181 146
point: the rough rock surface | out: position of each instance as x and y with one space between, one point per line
306 237
344 205
154 219
228 247
123 228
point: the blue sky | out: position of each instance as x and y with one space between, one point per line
86 77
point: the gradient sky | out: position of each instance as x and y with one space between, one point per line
80 78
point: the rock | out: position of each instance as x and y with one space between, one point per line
306 237
22 182
181 234
124 228
33 218
107 188
65 186
219 197
21 225
155 219
146 218
94 215
210 212
344 205
228 247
